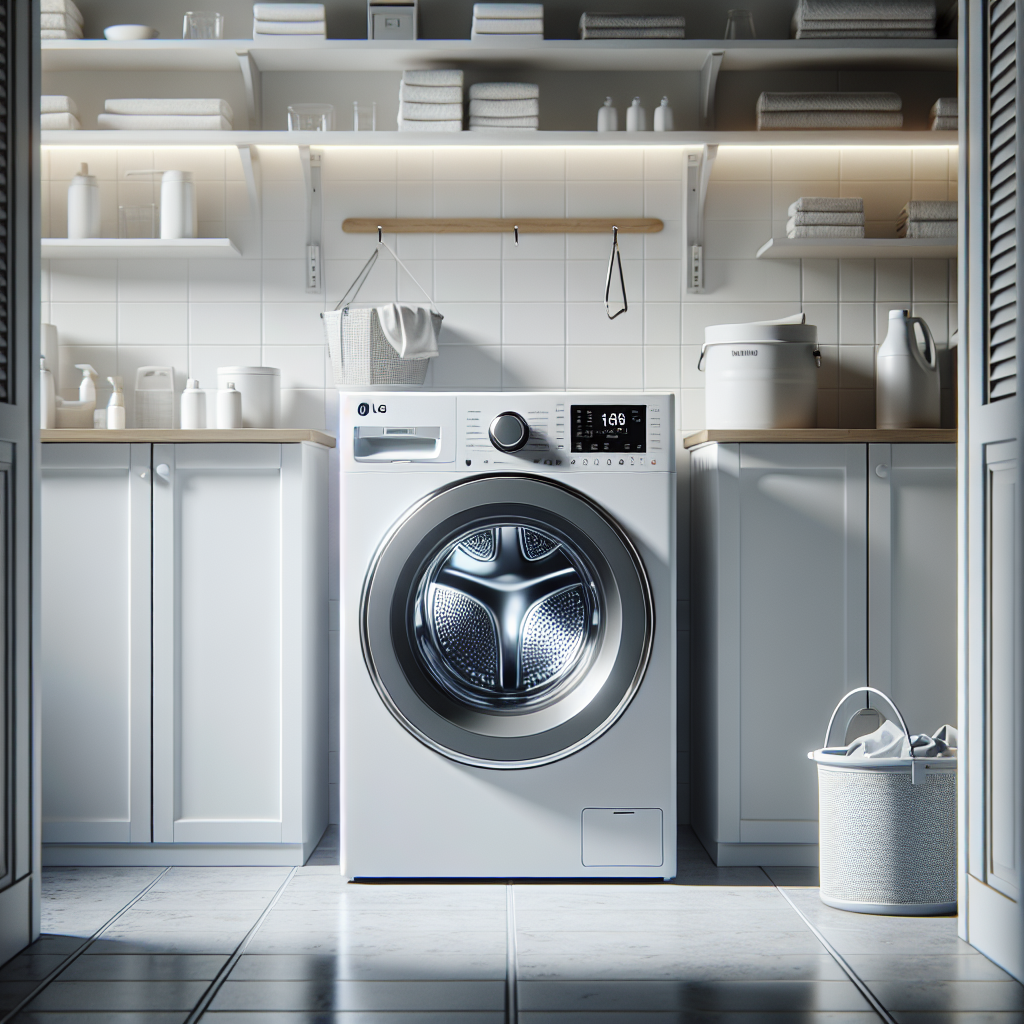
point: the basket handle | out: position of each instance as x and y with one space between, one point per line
353 288
888 700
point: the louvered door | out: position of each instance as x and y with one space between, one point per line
991 708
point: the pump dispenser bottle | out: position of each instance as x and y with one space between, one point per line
229 407
636 117
83 205
607 117
115 407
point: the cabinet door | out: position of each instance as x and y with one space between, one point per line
96 643
912 580
802 610
221 524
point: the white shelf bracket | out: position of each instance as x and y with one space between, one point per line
253 83
698 173
708 83
311 167
251 169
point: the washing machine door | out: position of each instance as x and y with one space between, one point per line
507 621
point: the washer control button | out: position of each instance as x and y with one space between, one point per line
509 432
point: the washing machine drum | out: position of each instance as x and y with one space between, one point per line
507 621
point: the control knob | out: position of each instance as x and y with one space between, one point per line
509 432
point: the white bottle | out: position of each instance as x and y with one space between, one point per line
229 407
636 117
664 121
87 388
607 117
115 407
193 406
83 205
179 215
47 398
907 382
79 415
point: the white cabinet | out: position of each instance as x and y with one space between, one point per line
229 638
816 568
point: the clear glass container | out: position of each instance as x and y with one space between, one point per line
739 24
203 25
138 221
311 117
364 117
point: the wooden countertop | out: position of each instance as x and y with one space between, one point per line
824 435
248 435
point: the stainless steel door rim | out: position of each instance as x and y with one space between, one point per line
506 621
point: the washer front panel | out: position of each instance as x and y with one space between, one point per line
506 621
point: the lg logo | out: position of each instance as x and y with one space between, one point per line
365 407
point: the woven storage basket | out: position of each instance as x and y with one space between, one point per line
886 830
361 355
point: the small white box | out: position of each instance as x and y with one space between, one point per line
391 21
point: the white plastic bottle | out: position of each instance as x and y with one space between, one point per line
87 388
179 214
664 120
636 117
83 205
193 406
607 117
47 398
229 407
115 407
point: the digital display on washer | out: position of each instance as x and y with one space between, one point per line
609 428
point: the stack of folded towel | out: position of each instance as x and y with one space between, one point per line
272 22
58 113
826 217
798 110
508 21
60 19
596 25
504 106
927 218
945 115
864 19
181 115
430 101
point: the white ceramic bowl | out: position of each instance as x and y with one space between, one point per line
123 33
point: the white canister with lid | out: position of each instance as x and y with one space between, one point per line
83 205
761 376
179 214
260 387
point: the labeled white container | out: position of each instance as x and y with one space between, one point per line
84 205
260 387
761 376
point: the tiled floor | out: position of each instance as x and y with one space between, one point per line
268 946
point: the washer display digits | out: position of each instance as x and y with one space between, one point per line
609 428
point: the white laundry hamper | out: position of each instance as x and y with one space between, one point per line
886 828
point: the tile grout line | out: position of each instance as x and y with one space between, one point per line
62 967
511 959
858 982
222 975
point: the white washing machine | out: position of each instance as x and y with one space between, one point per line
508 648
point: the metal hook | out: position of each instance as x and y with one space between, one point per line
380 234
615 254
515 231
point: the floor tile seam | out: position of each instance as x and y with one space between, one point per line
847 969
511 963
71 958
222 975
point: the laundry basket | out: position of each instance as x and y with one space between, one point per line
362 357
886 828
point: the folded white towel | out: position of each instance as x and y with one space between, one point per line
59 122
429 111
508 37
410 330
504 91
186 106
944 124
947 106
157 122
430 93
64 21
632 33
493 130
598 19
802 219
508 11
442 76
429 126
802 120
504 122
67 7
866 33
508 26
61 33
927 229
826 204
825 231
849 25
290 28
288 12
504 108
787 101
929 209
57 105
828 10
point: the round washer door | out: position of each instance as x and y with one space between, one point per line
506 621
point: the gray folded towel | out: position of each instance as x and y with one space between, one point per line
504 108
429 111
947 106
503 91
192 107
162 122
67 7
821 219
874 101
598 19
897 33
504 122
828 10
510 37
825 231
57 105
851 24
439 77
944 124
929 209
927 229
801 120
60 122
632 33
492 129
429 126
288 12
503 11
826 204
430 93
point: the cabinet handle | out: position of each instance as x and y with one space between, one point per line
163 470
880 471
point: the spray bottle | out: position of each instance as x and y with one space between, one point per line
115 407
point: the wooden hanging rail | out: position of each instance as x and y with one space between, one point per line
492 225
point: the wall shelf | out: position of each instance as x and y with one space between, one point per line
857 248
138 248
